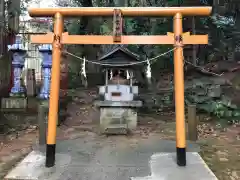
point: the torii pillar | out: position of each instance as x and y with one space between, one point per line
177 38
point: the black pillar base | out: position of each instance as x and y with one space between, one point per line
181 156
50 155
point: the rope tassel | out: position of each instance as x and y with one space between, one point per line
128 75
111 74
148 70
83 72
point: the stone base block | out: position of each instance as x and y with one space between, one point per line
33 167
117 120
14 104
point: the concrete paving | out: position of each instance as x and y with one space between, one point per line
163 167
113 158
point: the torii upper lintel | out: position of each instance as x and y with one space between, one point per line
126 11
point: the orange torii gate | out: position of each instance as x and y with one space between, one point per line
177 38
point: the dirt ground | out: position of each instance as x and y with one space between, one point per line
220 145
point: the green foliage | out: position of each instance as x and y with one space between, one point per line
223 30
73 28
174 2
23 6
220 106
105 29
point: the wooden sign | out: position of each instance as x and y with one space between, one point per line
117 25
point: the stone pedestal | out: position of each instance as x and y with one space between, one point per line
117 120
118 117
46 51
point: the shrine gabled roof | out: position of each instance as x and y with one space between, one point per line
122 49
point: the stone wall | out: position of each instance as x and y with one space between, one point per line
213 95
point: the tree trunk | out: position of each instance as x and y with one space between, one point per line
194 51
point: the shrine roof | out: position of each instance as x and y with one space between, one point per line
122 49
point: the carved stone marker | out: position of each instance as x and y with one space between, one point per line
192 123
42 121
31 83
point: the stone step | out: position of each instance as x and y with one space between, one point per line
116 129
163 167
